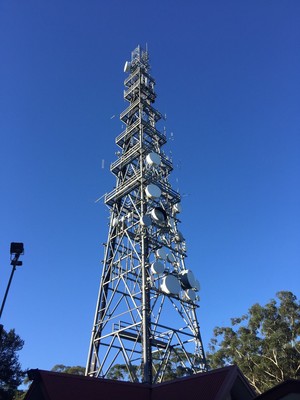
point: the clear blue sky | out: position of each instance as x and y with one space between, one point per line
227 76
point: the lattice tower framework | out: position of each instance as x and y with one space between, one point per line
145 327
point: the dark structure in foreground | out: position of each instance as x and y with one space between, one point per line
221 384
287 390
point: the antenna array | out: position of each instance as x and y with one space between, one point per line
145 322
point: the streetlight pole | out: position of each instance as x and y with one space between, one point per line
16 249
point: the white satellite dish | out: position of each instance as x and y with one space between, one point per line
170 285
152 191
189 294
187 279
159 215
161 253
197 285
145 220
157 267
171 258
153 159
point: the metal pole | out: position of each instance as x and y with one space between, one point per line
146 320
8 286
146 323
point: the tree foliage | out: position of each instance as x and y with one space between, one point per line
120 372
75 370
173 368
264 343
11 373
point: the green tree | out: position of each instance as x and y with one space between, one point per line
176 365
75 370
264 343
174 368
120 372
11 373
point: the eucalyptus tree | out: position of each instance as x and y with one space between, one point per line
264 343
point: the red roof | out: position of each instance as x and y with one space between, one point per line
213 385
58 386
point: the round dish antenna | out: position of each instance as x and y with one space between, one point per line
152 191
161 253
159 215
157 268
187 279
171 258
190 294
153 159
170 285
145 220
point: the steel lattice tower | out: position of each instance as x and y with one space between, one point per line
145 316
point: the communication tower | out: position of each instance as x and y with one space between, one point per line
145 322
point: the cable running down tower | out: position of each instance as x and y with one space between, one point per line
145 321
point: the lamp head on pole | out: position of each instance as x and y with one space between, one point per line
16 249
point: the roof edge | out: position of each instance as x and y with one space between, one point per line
234 373
194 376
280 389
37 374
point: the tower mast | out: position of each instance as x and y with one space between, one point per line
145 326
